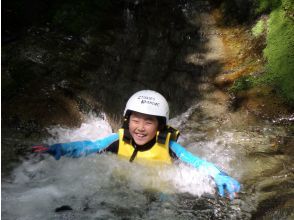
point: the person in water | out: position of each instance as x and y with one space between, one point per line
145 135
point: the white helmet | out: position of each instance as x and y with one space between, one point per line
148 102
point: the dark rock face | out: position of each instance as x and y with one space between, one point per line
51 73
54 70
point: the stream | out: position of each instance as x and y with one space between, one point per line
177 56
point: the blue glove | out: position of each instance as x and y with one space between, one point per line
223 181
74 149
77 148
226 184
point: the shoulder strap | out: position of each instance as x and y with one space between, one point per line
174 134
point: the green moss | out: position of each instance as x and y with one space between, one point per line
288 5
280 53
279 49
259 28
242 83
263 6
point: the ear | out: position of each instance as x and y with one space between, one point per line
125 123
126 119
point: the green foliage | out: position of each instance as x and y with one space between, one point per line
280 53
259 28
288 5
264 6
242 83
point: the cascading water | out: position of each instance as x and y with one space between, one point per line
181 55
105 186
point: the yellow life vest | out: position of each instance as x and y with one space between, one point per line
158 152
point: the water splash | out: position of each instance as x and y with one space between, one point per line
92 128
41 185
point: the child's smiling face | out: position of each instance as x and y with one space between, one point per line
142 127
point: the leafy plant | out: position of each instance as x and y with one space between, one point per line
242 83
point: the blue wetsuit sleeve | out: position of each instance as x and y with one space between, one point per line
225 184
193 160
81 148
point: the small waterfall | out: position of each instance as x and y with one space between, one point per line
41 186
169 46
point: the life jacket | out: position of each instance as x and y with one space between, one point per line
158 152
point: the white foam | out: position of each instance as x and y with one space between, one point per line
187 179
92 128
38 187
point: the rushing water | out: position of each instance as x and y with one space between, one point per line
253 150
107 187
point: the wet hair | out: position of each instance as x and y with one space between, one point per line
161 123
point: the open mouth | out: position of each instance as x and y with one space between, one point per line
140 136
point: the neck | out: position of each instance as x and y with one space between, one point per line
144 147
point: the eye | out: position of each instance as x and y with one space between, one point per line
149 122
135 120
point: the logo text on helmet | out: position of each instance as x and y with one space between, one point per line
148 100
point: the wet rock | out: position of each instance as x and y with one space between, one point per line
227 79
63 208
284 144
264 103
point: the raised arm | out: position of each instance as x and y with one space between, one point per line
224 182
78 148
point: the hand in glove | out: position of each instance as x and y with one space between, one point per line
54 150
227 185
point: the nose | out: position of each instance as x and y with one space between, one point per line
141 126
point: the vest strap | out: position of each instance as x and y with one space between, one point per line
155 152
174 134
134 154
161 138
